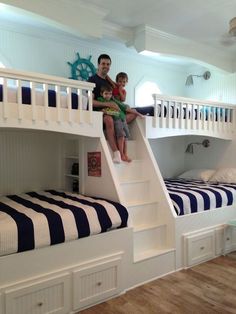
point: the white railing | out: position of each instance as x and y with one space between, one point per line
40 85
192 115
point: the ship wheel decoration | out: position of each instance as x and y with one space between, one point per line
82 68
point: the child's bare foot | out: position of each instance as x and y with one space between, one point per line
126 158
141 116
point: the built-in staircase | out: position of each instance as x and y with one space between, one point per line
141 186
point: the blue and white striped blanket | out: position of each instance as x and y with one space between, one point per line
33 220
196 196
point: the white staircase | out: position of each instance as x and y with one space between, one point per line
137 181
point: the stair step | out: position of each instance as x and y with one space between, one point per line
151 253
149 239
147 226
136 191
131 171
134 181
140 204
144 214
132 149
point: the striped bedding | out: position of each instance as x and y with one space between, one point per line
37 219
196 196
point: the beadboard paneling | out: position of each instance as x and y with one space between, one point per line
29 161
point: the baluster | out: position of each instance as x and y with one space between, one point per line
58 102
90 98
33 100
69 103
19 100
46 113
5 99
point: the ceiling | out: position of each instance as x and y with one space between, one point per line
174 29
204 21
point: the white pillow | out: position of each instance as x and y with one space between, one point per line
225 175
197 174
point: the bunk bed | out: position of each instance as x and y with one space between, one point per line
201 206
170 116
43 102
53 242
94 268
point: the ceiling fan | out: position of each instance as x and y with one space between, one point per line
229 38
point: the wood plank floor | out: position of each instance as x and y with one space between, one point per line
204 289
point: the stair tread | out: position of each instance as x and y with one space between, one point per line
138 257
138 203
145 227
128 164
131 181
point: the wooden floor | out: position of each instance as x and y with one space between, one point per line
203 289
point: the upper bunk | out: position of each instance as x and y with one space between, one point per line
42 102
174 115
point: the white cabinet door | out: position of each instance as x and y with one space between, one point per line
199 247
96 283
45 296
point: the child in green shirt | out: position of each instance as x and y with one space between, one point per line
119 116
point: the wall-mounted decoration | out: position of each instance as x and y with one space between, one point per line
81 68
94 164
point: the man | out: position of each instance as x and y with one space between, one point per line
100 79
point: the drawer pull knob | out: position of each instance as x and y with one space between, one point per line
228 239
202 248
99 283
40 303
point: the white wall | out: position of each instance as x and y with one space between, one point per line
221 153
172 159
48 53
220 87
169 153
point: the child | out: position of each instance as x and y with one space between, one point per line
119 92
120 124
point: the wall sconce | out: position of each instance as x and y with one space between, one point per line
204 143
189 81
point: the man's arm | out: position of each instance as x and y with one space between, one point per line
111 82
102 105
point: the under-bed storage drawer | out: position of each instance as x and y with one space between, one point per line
199 247
45 296
96 282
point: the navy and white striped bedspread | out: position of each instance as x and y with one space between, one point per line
33 220
196 196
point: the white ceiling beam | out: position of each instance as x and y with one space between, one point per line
146 38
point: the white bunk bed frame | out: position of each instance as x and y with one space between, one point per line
68 277
170 118
59 278
203 235
42 117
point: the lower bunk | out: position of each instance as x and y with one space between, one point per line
205 235
67 277
204 209
37 219
61 252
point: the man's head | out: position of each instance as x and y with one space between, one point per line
121 79
106 92
104 63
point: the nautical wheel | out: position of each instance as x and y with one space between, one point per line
82 68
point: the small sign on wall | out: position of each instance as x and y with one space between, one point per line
94 164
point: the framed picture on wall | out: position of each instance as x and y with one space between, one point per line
94 164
